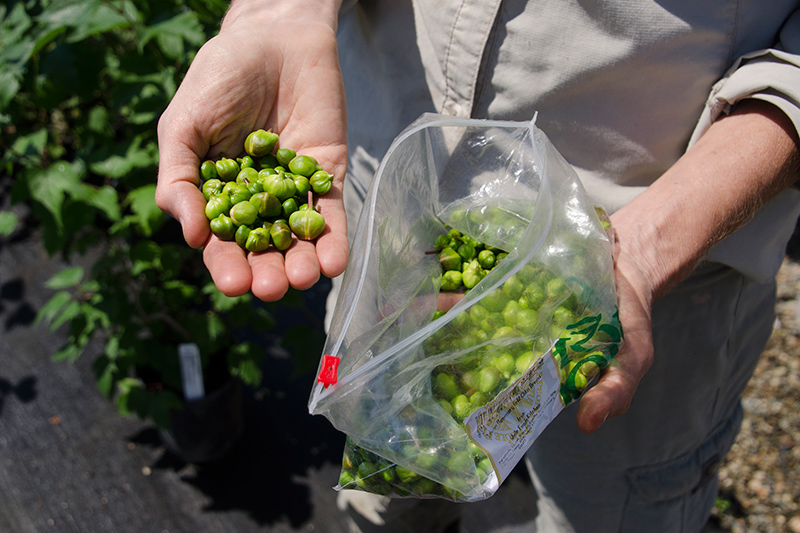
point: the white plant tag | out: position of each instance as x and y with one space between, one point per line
507 425
191 371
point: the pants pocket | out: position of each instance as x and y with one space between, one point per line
678 495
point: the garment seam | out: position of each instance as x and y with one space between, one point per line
735 32
479 82
447 79
730 341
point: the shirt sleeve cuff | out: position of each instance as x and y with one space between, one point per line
769 75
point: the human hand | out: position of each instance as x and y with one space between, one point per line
613 393
257 74
738 164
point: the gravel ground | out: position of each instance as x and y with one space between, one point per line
760 479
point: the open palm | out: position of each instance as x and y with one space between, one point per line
249 77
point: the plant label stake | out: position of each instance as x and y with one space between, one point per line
191 371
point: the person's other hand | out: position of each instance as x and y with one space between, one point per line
268 68
743 160
612 394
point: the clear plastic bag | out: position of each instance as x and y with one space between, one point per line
444 404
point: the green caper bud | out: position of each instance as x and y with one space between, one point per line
472 274
486 259
208 170
346 479
246 162
488 379
405 475
301 184
308 223
212 187
281 234
227 169
218 205
260 143
451 280
241 235
244 213
257 240
444 386
467 252
239 193
266 172
280 185
246 175
267 205
222 226
479 398
254 187
304 165
461 407
284 156
475 243
449 259
288 207
440 243
321 182
268 161
513 287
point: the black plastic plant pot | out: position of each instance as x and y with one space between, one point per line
207 428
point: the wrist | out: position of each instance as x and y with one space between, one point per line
742 161
258 12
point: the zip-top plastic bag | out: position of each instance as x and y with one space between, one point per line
441 392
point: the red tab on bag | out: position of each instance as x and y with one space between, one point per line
327 375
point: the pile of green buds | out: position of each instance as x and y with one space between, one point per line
266 196
465 261
493 343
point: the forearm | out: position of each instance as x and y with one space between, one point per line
254 10
741 162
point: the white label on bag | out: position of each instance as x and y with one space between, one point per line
508 424
191 371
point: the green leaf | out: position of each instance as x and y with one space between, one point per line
31 145
243 362
84 18
220 302
69 277
171 33
49 185
9 85
146 213
124 158
99 120
103 198
70 311
105 371
69 352
50 309
8 223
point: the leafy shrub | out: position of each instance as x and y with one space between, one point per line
82 85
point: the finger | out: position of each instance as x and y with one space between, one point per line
177 192
228 266
332 248
269 277
612 395
302 266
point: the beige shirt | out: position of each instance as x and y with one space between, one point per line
621 87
